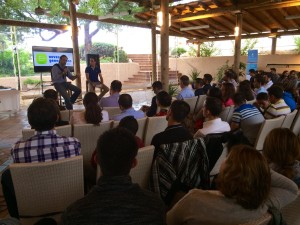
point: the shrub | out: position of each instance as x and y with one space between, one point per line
178 51
31 81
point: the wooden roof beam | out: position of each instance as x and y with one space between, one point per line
33 24
276 22
109 20
284 14
285 33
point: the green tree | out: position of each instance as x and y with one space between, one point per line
297 43
178 51
247 44
208 49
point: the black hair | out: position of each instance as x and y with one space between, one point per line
276 91
262 96
158 85
42 114
130 123
207 77
116 85
125 100
116 150
51 93
214 105
164 98
93 112
180 109
185 80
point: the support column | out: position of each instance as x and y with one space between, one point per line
164 46
274 42
154 61
198 49
237 46
73 21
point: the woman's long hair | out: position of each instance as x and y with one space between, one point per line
93 112
245 176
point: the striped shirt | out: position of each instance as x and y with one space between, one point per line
277 109
45 146
250 119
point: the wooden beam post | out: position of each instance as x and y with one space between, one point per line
164 46
154 70
274 42
198 49
73 21
237 45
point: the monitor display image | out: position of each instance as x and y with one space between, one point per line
45 57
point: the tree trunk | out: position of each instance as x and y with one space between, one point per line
87 38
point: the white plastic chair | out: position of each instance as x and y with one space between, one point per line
288 120
230 113
141 173
264 130
154 125
296 124
112 111
65 115
200 103
224 113
61 130
47 188
192 103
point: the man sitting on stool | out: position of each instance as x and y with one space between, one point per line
92 72
59 73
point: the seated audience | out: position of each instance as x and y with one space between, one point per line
52 94
175 132
274 75
44 146
115 199
211 111
277 107
163 101
290 93
259 82
114 91
152 109
262 102
125 104
199 84
282 150
245 89
268 80
230 77
252 74
246 190
207 78
283 76
228 91
92 114
131 124
185 92
246 117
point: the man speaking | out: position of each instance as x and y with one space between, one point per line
59 74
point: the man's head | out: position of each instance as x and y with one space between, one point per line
212 107
252 72
125 101
268 77
93 61
273 70
130 123
199 82
115 86
207 78
262 100
42 114
63 59
51 93
116 151
229 75
239 99
157 86
178 111
184 81
163 99
258 81
275 93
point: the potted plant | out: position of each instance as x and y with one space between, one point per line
194 75
173 90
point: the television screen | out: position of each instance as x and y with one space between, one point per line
45 57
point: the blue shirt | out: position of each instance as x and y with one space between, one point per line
110 101
93 73
129 112
289 100
185 93
260 90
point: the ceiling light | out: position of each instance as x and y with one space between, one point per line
291 17
194 28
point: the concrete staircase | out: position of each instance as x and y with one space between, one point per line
144 75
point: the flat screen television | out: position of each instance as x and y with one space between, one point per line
45 57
